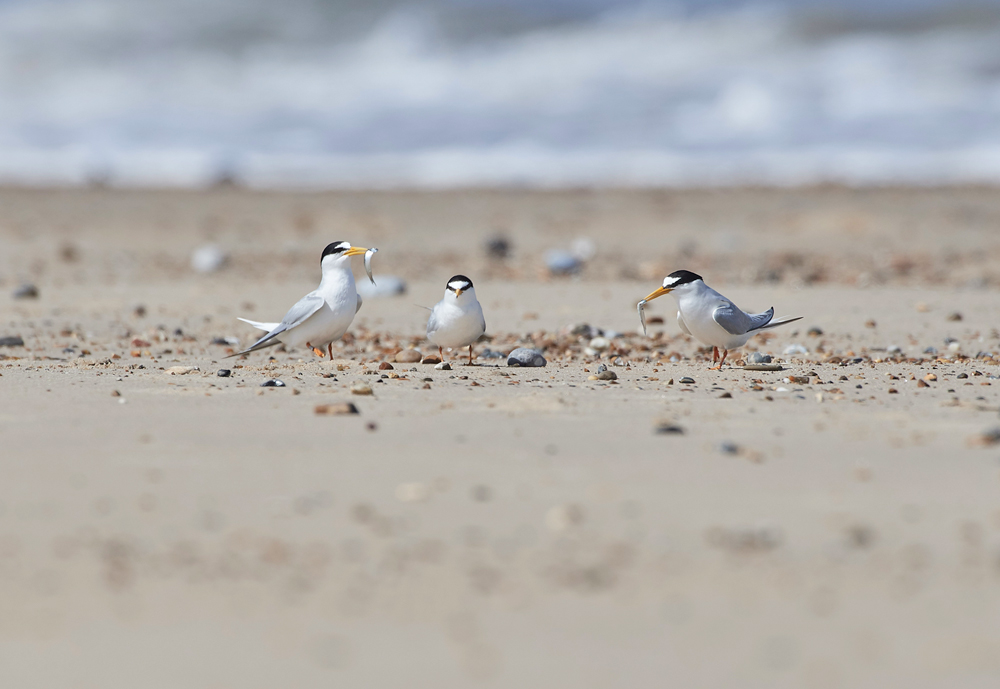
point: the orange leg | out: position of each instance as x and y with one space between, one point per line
715 354
317 352
725 352
329 348
440 354
470 355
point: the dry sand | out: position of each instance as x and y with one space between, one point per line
491 526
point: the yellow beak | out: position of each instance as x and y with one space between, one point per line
659 293
355 251
458 293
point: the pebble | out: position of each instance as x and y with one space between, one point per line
954 346
223 373
11 341
26 291
208 258
522 356
272 383
814 332
602 368
956 316
431 359
336 409
360 388
600 344
498 247
562 262
726 396
388 286
443 366
668 428
181 370
795 349
758 358
686 380
894 349
763 367
408 356
729 448
490 354
990 437
604 375
799 380
962 375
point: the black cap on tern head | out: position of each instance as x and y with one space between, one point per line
680 277
459 282
334 248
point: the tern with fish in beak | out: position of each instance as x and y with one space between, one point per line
457 320
320 318
709 317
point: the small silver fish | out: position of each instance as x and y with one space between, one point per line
642 315
368 263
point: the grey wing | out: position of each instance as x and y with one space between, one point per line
432 324
682 324
359 304
303 309
759 320
732 319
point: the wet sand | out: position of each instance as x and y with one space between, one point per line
490 525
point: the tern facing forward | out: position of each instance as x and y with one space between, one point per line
457 320
711 318
321 317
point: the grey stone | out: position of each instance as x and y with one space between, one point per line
522 356
11 341
758 358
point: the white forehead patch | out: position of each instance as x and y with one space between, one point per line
667 281
458 284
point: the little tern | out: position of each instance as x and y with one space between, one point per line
457 320
709 317
321 317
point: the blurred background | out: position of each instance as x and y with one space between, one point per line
444 93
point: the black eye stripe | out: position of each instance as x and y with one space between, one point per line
460 280
335 248
682 277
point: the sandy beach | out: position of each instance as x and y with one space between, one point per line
832 524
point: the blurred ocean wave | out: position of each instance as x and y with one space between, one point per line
312 93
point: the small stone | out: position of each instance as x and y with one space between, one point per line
443 366
726 396
893 391
523 356
431 359
208 259
954 347
335 409
799 380
930 376
223 373
408 356
990 437
562 262
498 247
795 350
115 393
922 384
870 323
607 375
272 383
599 344
11 341
412 492
758 358
360 388
668 428
956 316
894 349
139 342
729 448
181 370
686 380
814 332
962 375
26 291
385 366
602 368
